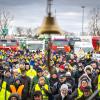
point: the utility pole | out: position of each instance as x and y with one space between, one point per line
82 19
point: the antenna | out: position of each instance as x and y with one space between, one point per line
49 3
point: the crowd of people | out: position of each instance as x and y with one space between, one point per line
24 75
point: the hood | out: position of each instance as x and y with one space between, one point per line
84 76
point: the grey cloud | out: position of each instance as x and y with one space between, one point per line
32 12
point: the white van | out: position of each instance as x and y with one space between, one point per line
34 45
82 48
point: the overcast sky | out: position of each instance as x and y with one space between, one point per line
30 13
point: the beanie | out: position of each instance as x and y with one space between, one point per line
62 66
64 86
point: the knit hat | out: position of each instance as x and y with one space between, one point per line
17 79
62 66
84 79
68 74
14 95
61 75
27 63
64 86
39 70
37 93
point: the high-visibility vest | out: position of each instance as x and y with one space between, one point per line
80 94
4 94
19 71
38 88
99 84
31 73
18 91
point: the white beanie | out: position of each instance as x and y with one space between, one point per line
64 86
68 73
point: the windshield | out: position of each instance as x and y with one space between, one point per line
60 43
11 44
8 43
85 49
35 46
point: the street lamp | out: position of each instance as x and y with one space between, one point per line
82 19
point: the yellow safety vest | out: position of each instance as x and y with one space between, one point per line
99 84
80 94
4 94
31 73
19 71
37 88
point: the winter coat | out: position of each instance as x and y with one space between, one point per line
59 97
26 82
56 87
76 76
9 81
53 81
71 81
35 81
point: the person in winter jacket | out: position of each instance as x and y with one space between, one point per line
84 81
63 95
8 79
97 84
26 81
88 70
36 78
30 72
17 87
71 82
14 97
86 93
57 85
37 95
61 69
53 79
43 87
4 93
79 72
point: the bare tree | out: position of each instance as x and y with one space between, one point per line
19 31
29 32
5 20
94 23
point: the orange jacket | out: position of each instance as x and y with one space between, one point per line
19 90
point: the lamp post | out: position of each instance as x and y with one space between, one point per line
82 19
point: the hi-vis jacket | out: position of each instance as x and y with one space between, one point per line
99 84
80 94
18 91
4 94
38 88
